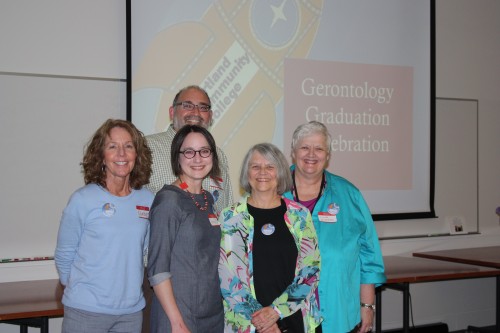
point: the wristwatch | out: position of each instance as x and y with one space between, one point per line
371 306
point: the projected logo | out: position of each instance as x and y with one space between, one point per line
236 52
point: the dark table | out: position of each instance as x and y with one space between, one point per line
402 271
488 256
30 303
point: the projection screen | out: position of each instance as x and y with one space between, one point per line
363 68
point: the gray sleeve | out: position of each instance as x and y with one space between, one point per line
165 217
158 278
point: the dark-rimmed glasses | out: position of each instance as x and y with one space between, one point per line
188 106
191 153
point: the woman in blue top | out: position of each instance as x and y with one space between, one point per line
103 236
351 259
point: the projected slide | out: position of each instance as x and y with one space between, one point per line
362 68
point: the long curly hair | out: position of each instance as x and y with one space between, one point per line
93 158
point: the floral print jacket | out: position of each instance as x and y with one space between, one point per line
236 268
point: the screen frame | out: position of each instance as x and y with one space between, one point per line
432 108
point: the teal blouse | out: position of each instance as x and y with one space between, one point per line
350 252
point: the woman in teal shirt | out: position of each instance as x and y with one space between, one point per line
352 264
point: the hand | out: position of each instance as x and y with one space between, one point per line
180 328
273 329
366 320
367 296
264 318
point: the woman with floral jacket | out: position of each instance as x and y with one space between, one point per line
269 264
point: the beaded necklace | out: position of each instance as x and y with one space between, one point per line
184 186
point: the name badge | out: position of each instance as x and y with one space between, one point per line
327 217
142 212
213 220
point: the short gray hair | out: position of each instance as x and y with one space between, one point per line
312 127
271 153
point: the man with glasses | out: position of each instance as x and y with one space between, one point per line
191 106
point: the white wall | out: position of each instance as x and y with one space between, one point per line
62 73
467 66
468 53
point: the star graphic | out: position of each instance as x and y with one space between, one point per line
278 13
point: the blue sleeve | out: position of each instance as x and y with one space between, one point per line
372 263
68 238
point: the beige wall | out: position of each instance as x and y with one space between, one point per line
467 67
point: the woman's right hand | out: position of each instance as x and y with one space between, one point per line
180 328
272 329
265 319
165 294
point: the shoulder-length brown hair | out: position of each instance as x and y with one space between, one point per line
93 158
177 142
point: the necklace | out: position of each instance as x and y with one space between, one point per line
184 186
205 206
296 191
